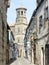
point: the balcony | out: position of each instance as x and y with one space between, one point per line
7 3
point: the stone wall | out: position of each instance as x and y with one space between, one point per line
3 32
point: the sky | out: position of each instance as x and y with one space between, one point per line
11 13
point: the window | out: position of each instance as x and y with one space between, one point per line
21 12
40 23
46 13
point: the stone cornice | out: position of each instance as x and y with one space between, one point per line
20 23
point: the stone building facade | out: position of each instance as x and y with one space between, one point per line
30 31
4 4
41 36
19 29
42 49
10 48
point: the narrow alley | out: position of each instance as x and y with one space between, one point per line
21 61
24 32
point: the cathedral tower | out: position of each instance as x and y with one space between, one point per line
20 29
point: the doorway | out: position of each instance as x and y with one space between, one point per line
47 54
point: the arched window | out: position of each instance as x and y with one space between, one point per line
21 12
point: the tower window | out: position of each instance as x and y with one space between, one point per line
21 12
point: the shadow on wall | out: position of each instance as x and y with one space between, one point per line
11 61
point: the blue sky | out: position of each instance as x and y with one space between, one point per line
11 13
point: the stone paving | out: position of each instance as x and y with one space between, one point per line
21 61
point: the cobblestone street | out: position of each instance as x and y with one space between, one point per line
21 61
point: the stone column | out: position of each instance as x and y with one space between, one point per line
32 56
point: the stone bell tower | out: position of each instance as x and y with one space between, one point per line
20 29
21 14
